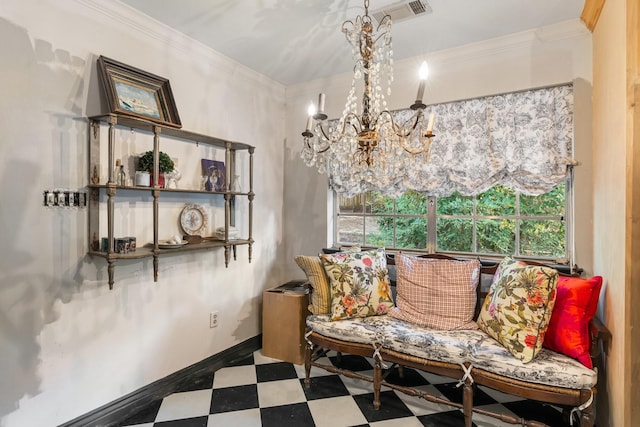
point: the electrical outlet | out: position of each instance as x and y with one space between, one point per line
213 319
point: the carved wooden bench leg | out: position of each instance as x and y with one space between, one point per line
400 371
586 415
307 364
467 402
377 383
586 418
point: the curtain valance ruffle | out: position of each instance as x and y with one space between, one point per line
522 140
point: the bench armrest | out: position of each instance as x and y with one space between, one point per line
599 334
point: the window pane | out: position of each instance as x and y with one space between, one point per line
377 235
496 236
498 200
551 203
350 229
411 233
455 235
455 205
411 203
350 204
542 238
377 203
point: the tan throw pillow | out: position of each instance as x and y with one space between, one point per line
517 310
436 293
320 293
359 283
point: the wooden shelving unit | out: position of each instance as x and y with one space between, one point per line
111 190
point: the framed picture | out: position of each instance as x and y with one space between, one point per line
138 93
214 175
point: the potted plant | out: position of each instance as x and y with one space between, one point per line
145 164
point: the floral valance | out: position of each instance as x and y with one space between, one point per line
522 140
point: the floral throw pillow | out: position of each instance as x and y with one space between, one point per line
317 277
517 310
359 283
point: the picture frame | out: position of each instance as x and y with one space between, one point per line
214 175
138 93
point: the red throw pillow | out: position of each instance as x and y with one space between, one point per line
576 304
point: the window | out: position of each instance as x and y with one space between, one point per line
497 222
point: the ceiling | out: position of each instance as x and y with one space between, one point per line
293 41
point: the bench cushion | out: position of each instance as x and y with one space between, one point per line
462 346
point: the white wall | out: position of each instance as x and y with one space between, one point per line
550 55
67 343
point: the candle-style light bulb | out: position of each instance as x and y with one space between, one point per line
321 98
311 110
432 119
423 73
319 113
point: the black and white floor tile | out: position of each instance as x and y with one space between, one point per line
263 392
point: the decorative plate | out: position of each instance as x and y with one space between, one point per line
163 244
193 220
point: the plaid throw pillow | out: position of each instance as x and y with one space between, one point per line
436 293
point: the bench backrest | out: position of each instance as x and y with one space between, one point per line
487 271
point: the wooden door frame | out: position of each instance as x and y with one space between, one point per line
632 244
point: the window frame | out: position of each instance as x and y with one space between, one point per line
432 216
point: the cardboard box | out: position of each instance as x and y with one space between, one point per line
284 310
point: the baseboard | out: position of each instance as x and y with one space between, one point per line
134 402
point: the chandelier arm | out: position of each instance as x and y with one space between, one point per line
426 147
384 21
394 126
349 118
325 136
341 134
416 119
379 36
347 22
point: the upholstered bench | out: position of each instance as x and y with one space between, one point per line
471 356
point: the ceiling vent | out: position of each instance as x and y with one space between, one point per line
402 11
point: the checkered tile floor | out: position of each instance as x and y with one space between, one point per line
259 391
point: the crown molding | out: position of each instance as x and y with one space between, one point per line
158 32
565 30
521 41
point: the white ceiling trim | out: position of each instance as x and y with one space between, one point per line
157 31
526 39
573 28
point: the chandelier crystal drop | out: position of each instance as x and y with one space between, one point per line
376 149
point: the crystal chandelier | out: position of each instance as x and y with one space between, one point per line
376 149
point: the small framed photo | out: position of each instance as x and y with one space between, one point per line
138 93
214 175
